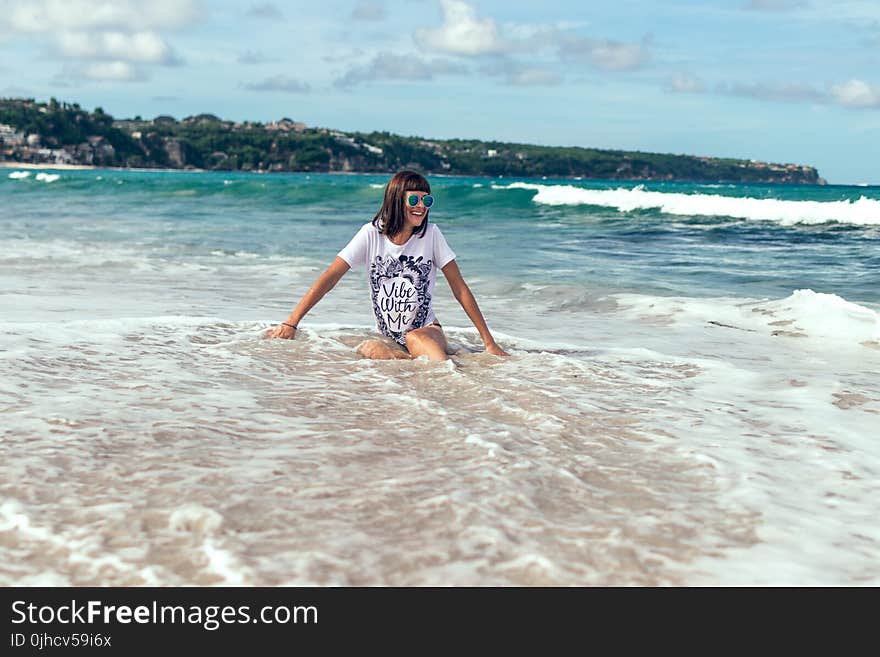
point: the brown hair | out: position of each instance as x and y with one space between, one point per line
390 217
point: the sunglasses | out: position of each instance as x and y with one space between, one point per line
413 200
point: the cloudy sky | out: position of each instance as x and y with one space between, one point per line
778 80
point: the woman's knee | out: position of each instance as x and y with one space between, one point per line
377 349
427 341
419 337
414 338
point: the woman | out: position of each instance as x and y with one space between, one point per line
401 253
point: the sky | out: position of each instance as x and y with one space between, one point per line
788 81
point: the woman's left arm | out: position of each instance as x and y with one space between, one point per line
464 296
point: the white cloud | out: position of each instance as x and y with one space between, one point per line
464 33
531 77
779 91
606 55
857 14
51 15
519 75
613 56
102 39
461 32
142 47
388 66
115 70
853 94
856 93
109 71
280 83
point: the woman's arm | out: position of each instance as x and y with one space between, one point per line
464 296
326 282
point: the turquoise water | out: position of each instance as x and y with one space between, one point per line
691 396
498 232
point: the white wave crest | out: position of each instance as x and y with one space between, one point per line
19 175
47 177
828 315
862 212
804 313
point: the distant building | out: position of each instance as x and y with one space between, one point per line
9 136
287 125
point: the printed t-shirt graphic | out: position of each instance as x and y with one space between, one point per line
401 277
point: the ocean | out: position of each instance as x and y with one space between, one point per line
691 399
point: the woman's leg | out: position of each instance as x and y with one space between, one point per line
427 341
380 350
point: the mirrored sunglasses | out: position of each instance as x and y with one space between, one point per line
413 200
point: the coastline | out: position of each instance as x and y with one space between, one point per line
30 165
6 164
206 142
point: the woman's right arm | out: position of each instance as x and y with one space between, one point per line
326 282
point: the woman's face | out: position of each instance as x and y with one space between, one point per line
414 215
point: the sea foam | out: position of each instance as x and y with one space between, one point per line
804 313
863 212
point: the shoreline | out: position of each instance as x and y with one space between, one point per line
235 145
6 164
30 165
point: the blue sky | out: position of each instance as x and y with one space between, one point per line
777 80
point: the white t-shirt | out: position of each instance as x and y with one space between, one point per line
401 277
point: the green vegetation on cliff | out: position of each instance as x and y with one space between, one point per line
66 133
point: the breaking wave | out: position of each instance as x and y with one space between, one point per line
862 212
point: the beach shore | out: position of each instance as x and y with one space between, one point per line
31 165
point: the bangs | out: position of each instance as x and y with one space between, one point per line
417 183
407 181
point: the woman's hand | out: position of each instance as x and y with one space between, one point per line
495 350
281 331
